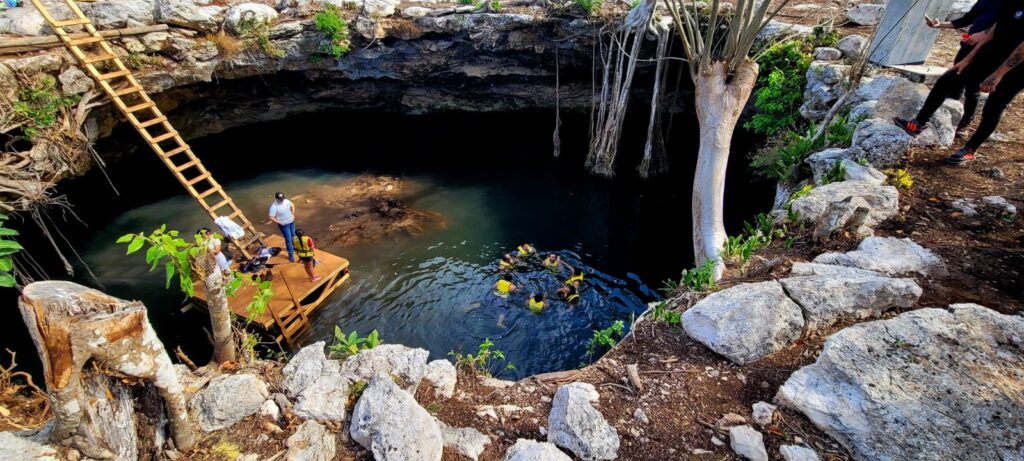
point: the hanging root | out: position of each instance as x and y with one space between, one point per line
556 138
655 160
23 405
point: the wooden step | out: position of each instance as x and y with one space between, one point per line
114 74
176 151
71 22
198 178
138 107
209 192
86 40
152 121
253 238
129 90
186 165
98 58
219 205
164 137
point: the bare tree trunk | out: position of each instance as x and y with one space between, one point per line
220 313
72 325
719 100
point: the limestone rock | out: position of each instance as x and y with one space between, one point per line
822 89
865 14
822 163
188 14
904 98
746 322
406 363
852 45
883 142
826 53
763 413
532 450
441 376
154 41
748 443
270 410
23 21
1000 205
415 12
226 400
883 201
324 399
797 453
808 269
116 14
36 64
888 255
14 447
387 421
827 299
309 364
873 88
255 12
860 112
465 441
74 81
928 384
285 29
311 442
777 29
578 427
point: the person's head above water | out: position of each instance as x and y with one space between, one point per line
299 233
538 297
506 277
279 196
577 271
507 257
552 256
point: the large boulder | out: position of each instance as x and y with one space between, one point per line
827 299
928 384
465 441
883 143
866 14
809 269
746 322
827 53
23 21
903 98
311 442
387 421
823 88
255 13
116 14
188 14
882 201
873 88
324 399
852 45
227 399
578 427
407 363
532 450
888 255
308 365
442 377
74 81
824 162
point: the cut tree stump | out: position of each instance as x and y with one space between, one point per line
74 327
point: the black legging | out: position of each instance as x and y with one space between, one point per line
972 77
971 95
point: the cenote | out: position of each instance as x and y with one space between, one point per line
492 179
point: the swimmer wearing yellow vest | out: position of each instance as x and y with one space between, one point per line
553 262
570 294
575 279
537 303
525 251
504 286
507 263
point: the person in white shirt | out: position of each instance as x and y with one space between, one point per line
282 212
213 246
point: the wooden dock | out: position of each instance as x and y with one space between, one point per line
294 298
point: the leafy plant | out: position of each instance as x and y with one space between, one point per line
791 214
7 249
167 248
258 29
899 177
588 6
40 103
661 313
345 346
484 361
824 35
780 162
604 339
779 90
701 277
840 132
835 174
356 390
334 30
137 61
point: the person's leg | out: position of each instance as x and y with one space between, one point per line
997 101
971 97
288 231
958 89
948 82
308 264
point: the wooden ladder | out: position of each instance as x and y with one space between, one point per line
131 99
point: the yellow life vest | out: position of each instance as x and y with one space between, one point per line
523 251
504 265
536 306
303 246
550 264
575 278
573 298
503 286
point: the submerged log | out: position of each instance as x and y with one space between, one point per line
72 326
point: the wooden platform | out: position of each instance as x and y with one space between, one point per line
291 288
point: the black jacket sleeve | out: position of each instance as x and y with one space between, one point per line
971 16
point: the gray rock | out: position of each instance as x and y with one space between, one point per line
285 29
854 171
873 88
825 53
641 416
775 30
387 421
928 384
406 363
465 441
226 400
904 98
797 453
415 12
14 447
865 14
574 424
888 255
808 269
36 64
442 377
882 201
823 162
309 364
154 41
1000 205
827 299
965 206
748 443
763 413
187 14
860 112
116 14
256 12
311 442
746 322
852 45
822 88
74 81
324 399
270 410
883 143
532 450
23 21
133 45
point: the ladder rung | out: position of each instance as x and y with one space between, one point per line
86 40
220 204
138 107
165 136
209 192
71 22
175 151
198 178
114 74
98 58
186 165
129 90
153 121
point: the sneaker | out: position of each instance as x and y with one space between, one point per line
910 126
964 155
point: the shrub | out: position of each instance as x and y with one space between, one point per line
41 103
345 346
780 162
699 278
335 31
227 45
835 174
824 35
661 313
484 361
604 339
779 90
588 6
251 27
790 213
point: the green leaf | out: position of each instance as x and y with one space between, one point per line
7 232
7 281
6 264
169 267
126 238
10 245
137 243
